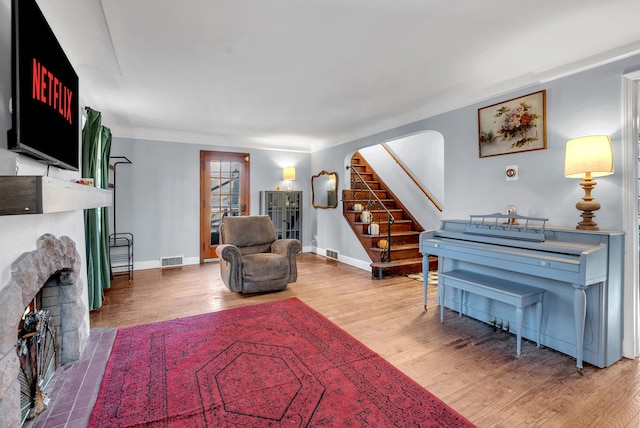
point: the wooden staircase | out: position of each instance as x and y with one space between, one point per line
405 230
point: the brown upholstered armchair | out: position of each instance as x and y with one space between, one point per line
252 260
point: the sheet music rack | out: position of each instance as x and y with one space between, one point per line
507 226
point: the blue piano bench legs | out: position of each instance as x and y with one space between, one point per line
518 295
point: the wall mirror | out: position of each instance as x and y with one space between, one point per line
324 188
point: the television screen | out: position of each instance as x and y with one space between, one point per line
44 91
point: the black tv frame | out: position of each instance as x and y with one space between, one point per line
44 85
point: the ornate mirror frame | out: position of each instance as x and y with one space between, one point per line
324 190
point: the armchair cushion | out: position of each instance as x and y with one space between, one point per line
254 232
264 267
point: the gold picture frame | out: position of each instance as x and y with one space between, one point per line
513 126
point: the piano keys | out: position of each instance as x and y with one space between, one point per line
580 271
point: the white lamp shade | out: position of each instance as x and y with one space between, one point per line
288 173
588 154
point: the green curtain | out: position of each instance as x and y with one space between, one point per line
96 149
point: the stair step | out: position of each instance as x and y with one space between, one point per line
398 223
402 247
393 234
396 263
381 211
363 201
365 192
380 270
389 203
402 237
392 210
400 252
398 226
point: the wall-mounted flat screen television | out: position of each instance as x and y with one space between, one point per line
44 91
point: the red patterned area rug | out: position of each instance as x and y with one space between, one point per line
274 364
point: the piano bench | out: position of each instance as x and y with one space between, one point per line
518 295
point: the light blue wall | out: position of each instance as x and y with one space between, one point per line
428 170
158 194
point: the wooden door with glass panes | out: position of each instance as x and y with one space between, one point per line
224 191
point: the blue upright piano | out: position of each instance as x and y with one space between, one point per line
581 273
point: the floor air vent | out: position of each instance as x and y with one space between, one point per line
171 261
332 254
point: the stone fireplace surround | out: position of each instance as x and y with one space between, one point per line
54 267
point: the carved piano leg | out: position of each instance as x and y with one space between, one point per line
579 314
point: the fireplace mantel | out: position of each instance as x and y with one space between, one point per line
34 194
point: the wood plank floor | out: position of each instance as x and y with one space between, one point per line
464 362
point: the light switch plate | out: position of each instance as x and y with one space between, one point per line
511 172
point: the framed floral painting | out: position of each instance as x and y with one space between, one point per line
513 126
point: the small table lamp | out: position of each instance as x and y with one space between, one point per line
288 174
586 158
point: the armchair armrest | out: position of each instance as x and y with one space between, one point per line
230 266
288 248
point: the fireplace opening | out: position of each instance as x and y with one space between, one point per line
38 345
37 354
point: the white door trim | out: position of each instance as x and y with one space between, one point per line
631 305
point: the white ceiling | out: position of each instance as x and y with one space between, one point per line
307 74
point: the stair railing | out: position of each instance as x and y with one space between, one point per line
374 205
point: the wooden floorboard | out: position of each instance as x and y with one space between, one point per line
463 362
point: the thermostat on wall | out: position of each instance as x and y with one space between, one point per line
511 172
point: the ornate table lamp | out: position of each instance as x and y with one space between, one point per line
586 158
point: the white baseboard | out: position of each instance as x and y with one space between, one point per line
342 259
154 264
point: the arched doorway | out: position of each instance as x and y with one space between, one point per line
413 168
